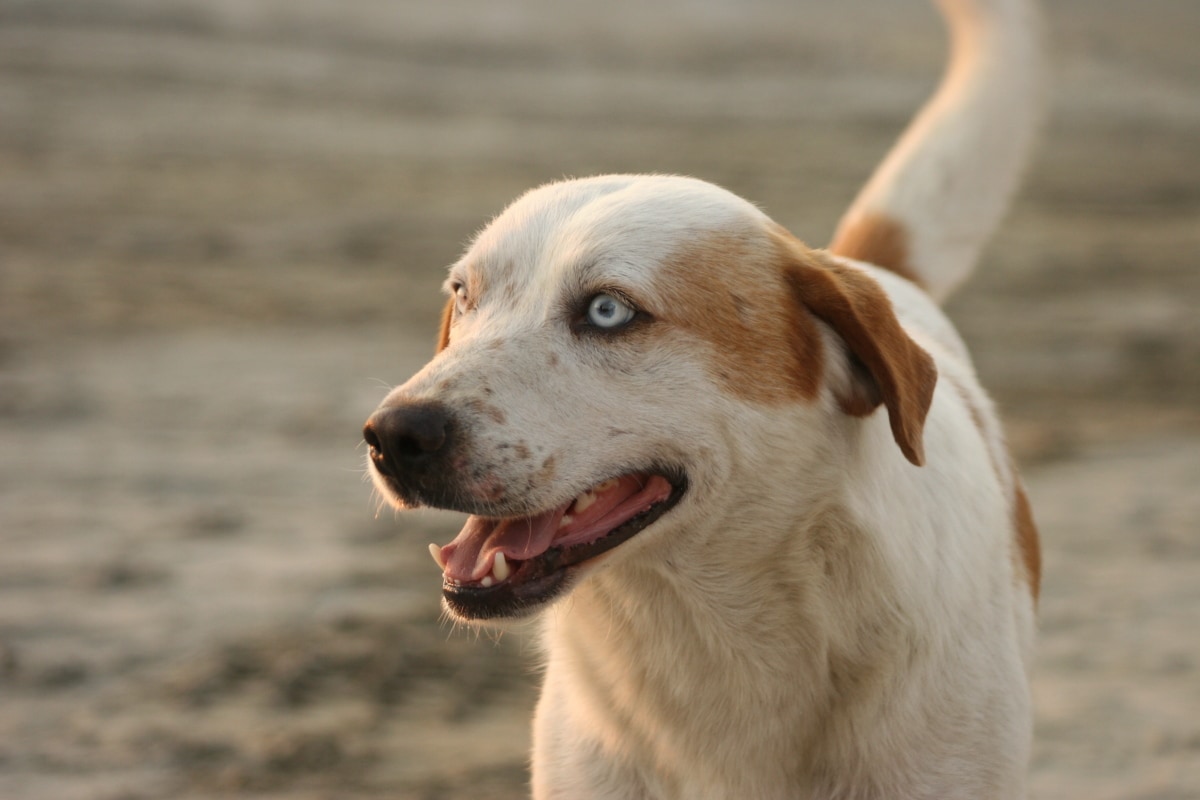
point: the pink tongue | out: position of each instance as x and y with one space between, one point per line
472 553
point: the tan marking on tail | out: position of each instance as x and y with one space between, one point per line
877 239
935 199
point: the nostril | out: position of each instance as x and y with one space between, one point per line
410 447
370 437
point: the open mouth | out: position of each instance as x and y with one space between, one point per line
507 567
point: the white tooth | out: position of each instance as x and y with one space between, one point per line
565 521
436 552
487 581
611 483
500 567
584 501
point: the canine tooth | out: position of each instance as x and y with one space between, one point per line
565 521
604 486
436 552
487 581
500 566
584 501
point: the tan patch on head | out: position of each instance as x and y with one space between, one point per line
756 297
447 320
1028 544
876 239
764 347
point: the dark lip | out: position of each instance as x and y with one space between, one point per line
540 580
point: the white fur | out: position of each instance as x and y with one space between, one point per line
818 617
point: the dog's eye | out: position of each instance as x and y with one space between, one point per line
606 311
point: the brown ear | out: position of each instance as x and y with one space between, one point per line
891 368
444 333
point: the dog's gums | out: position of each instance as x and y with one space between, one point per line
506 567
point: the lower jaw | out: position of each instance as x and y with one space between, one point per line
475 603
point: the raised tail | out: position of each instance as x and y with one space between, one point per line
931 205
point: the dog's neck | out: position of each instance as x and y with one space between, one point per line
824 651
686 653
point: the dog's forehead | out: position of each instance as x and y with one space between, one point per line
612 228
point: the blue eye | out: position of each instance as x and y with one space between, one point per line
606 311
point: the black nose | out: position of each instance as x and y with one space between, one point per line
404 439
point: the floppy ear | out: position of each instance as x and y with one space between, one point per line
890 367
444 333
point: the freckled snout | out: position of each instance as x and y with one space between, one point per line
408 444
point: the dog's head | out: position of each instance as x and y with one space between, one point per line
619 357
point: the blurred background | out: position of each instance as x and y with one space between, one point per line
223 224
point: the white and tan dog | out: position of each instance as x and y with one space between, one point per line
754 489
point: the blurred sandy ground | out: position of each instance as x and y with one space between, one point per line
222 228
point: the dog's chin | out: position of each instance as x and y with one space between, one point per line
522 586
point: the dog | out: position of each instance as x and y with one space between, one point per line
752 489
